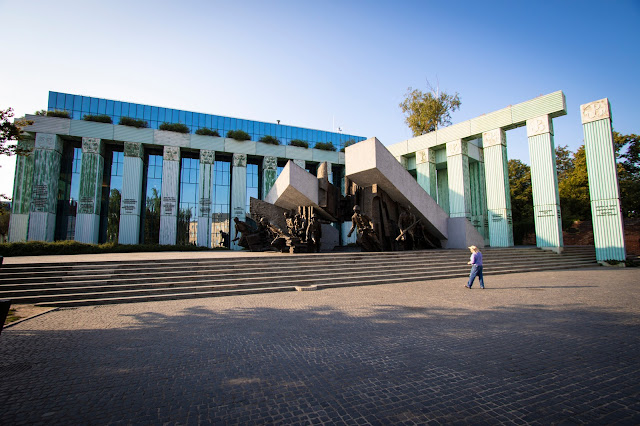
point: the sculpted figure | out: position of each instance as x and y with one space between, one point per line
368 237
244 230
314 234
291 227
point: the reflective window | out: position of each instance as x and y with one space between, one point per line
151 233
115 196
188 206
252 184
68 193
221 205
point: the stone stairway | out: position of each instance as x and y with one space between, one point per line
93 283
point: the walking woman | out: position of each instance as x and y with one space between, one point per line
476 267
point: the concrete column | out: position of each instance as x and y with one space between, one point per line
496 165
131 198
238 194
22 187
88 216
458 174
608 225
205 191
426 171
269 174
44 194
478 198
169 203
544 183
443 189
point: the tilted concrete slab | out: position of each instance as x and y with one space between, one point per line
369 162
296 187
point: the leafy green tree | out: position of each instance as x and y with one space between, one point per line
10 134
521 199
573 186
628 172
152 218
113 216
425 112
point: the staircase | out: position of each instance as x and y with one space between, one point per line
94 283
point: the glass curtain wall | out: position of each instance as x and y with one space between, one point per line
115 196
153 188
68 192
221 207
188 206
253 182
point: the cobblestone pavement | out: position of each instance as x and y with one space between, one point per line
535 348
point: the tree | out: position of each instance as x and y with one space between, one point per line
521 199
628 172
425 112
573 186
113 216
10 133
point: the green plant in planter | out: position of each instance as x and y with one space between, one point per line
174 127
58 113
205 131
128 121
270 140
300 143
325 146
347 143
238 135
42 112
103 118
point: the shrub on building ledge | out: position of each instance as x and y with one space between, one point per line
270 140
300 143
347 143
128 121
103 118
59 113
238 135
205 131
325 146
174 127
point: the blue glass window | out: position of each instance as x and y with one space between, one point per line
252 184
221 206
60 101
102 106
68 104
154 113
93 109
110 108
188 119
52 100
147 112
125 109
182 116
117 108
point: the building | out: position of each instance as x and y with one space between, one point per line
97 182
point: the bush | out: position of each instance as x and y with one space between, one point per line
174 127
270 140
347 143
42 112
98 118
40 248
58 113
238 135
205 131
325 146
128 121
300 143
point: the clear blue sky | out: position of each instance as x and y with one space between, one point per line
324 64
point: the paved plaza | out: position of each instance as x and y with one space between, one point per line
535 348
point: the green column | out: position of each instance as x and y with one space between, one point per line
458 174
88 216
205 189
478 197
608 233
269 174
44 194
496 173
426 171
544 183
238 194
22 187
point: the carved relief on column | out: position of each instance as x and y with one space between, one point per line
270 163
171 153
91 146
239 160
494 137
207 156
594 111
539 126
132 149
458 147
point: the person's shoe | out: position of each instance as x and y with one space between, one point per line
481 288
467 287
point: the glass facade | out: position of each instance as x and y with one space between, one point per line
115 196
79 106
252 184
153 192
188 207
221 204
68 192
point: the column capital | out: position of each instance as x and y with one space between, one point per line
596 110
425 156
270 163
494 137
48 141
171 153
457 147
132 149
539 126
239 160
207 156
91 146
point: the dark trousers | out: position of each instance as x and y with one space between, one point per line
476 271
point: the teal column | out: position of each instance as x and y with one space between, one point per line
443 189
205 191
269 174
426 171
88 216
478 198
22 187
608 225
44 193
170 201
544 183
458 174
131 199
496 167
238 194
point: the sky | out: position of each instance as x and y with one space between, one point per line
326 64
